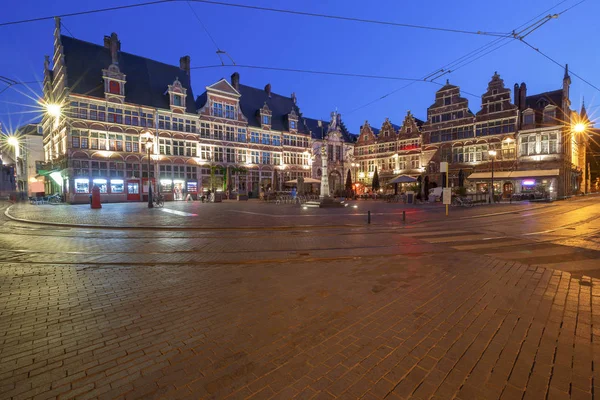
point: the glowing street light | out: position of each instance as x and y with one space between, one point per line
53 110
13 141
579 127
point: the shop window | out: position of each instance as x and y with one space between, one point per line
102 185
116 186
166 185
82 185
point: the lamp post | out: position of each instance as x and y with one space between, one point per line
492 154
580 128
148 144
354 165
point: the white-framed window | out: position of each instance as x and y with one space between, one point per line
230 111
276 158
292 124
218 132
217 109
205 153
164 146
178 147
204 130
218 153
255 157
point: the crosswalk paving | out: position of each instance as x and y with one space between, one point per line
539 251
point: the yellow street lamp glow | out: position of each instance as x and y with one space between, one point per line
579 127
492 153
13 141
53 109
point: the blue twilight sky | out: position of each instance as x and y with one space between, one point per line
166 32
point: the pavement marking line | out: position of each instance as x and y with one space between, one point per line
399 214
181 213
452 239
468 247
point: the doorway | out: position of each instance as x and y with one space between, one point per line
507 189
133 190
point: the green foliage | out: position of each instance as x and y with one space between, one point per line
375 184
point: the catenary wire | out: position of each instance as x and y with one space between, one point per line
269 9
496 42
97 10
352 19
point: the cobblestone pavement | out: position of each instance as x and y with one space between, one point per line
359 312
233 214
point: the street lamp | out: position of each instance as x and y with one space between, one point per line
148 144
53 110
13 141
492 154
579 127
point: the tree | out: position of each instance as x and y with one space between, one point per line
375 185
349 184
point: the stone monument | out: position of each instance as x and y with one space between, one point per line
324 177
324 199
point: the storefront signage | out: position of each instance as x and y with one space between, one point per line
528 182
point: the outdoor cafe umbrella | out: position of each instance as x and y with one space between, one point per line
306 180
403 179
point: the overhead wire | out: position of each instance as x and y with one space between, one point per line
219 51
468 58
352 19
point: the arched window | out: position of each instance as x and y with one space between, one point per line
114 87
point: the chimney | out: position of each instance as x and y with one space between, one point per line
235 81
523 96
516 95
114 45
185 64
293 96
268 89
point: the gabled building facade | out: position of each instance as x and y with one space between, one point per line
121 122
393 150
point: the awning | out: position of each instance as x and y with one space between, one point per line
536 173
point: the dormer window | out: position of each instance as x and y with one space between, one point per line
177 100
528 118
549 113
292 124
409 130
494 91
265 116
114 83
114 87
177 95
447 100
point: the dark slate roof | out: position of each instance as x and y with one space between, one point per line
254 99
554 97
29 129
147 80
317 132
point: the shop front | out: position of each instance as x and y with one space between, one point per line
112 190
525 185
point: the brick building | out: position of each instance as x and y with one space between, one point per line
532 137
393 150
115 105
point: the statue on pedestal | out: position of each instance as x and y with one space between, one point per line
324 177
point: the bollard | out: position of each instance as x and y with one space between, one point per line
403 216
368 217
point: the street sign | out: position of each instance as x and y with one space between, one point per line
443 166
447 196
